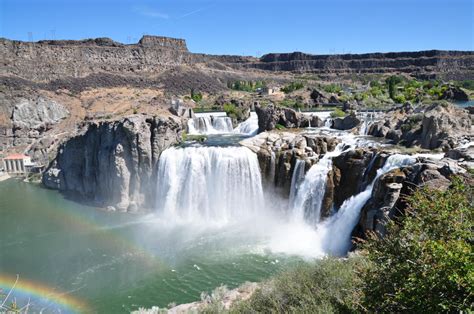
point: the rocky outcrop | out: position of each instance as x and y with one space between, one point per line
440 125
112 163
277 153
352 172
271 115
346 123
37 114
455 93
388 196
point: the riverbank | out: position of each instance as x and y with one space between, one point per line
4 176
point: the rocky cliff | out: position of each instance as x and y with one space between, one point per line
49 60
112 163
440 125
450 64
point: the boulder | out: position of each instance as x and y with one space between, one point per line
270 116
455 93
346 123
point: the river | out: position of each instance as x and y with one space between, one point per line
75 258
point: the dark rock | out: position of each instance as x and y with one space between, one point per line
112 163
270 116
455 93
346 123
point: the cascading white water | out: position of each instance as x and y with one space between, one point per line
249 126
208 184
328 123
335 232
297 177
209 124
306 205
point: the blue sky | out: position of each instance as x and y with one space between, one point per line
252 27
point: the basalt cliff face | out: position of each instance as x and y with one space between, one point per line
449 64
113 163
50 60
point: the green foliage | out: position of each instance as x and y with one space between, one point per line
326 286
338 113
467 84
190 137
426 263
392 82
290 103
292 87
234 112
196 96
400 99
332 88
279 127
246 86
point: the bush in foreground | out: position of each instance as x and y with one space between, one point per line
325 286
426 263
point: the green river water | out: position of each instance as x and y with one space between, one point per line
74 258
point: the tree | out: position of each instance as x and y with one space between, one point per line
392 82
426 263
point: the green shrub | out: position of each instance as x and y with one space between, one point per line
196 96
234 112
279 127
292 87
400 99
326 286
246 86
332 88
467 84
426 263
338 113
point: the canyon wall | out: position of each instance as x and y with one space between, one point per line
49 60
451 64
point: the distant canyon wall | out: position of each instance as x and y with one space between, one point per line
456 64
45 61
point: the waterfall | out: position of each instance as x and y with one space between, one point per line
297 177
306 205
210 124
336 231
208 184
249 126
328 123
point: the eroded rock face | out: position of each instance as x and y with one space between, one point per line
434 126
388 196
112 163
277 153
270 116
37 114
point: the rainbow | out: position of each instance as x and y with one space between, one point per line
37 291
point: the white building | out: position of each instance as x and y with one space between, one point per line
17 164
